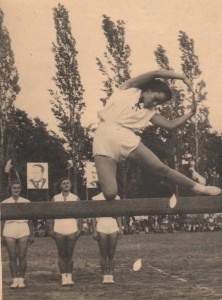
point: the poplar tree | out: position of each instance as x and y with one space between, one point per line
115 69
198 132
9 89
68 102
173 149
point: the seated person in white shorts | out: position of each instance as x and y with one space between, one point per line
106 232
66 232
17 234
130 109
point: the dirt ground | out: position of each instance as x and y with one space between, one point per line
174 266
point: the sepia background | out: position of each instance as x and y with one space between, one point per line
147 24
185 264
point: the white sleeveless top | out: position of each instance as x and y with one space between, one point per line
20 200
121 108
68 223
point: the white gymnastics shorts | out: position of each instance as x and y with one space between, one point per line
107 225
16 230
115 141
65 226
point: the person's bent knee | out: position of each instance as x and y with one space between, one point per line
110 194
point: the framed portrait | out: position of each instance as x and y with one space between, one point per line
37 176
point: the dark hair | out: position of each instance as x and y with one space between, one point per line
158 85
40 166
12 183
64 178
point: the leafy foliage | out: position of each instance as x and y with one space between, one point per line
68 103
188 144
29 140
9 89
198 130
116 69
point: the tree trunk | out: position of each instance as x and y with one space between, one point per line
75 173
197 146
75 181
124 174
2 160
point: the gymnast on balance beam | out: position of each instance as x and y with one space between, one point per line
130 109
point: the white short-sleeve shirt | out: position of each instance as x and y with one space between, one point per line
123 108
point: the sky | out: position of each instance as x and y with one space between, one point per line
148 24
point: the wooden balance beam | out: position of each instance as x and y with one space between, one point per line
128 207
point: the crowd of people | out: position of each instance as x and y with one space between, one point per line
174 223
153 224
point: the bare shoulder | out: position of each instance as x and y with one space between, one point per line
23 200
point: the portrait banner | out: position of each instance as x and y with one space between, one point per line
37 176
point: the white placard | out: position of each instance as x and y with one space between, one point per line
37 176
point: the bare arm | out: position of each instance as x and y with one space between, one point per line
94 224
31 229
119 223
95 235
80 224
50 224
2 226
2 237
139 81
172 124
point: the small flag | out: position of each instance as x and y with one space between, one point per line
137 265
17 175
173 201
8 166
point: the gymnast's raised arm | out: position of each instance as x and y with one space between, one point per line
175 123
141 80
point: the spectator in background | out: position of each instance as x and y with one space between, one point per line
215 178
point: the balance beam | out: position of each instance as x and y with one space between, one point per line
130 207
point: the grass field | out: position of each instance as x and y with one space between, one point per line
174 266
